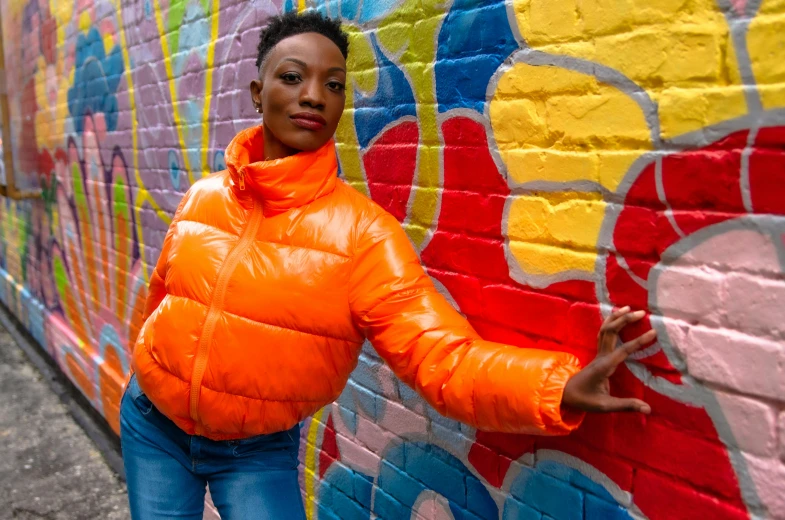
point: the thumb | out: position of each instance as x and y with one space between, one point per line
618 404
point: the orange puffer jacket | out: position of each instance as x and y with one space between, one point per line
271 276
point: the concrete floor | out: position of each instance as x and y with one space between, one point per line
49 468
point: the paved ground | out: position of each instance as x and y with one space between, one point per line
49 468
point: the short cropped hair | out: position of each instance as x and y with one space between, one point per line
291 23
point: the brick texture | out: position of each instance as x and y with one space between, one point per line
548 159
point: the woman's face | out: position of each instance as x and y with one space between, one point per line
300 91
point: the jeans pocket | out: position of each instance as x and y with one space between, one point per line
141 401
285 443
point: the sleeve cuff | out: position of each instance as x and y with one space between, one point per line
557 419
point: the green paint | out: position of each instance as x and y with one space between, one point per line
25 231
174 20
76 178
61 279
120 209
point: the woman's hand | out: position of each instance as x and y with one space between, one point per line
589 389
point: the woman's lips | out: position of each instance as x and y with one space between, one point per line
308 121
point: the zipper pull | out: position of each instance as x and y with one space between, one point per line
242 180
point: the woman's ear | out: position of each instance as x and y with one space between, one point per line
256 94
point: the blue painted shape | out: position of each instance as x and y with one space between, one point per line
476 494
344 505
474 41
548 494
597 509
349 9
374 9
96 79
430 467
576 479
289 5
515 510
392 100
557 491
385 506
363 486
346 492
194 31
341 478
367 379
396 456
219 161
326 514
357 11
174 169
398 484
323 10
37 313
347 409
110 337
365 372
365 399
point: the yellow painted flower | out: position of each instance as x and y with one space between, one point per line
601 83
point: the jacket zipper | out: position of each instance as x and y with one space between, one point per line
216 306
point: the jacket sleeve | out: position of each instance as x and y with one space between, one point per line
433 349
157 288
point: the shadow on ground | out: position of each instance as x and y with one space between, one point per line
49 468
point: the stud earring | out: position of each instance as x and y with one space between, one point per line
259 109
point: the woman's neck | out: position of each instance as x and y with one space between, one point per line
274 148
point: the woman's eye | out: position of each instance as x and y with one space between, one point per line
290 77
337 86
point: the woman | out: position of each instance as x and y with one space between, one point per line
270 278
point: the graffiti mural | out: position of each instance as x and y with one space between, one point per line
549 159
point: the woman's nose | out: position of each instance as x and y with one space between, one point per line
312 94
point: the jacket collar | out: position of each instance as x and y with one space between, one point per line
282 184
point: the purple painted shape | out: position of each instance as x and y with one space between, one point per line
153 230
156 131
231 109
191 84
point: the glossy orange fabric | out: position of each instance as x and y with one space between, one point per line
262 297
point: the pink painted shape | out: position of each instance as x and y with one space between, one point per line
769 477
782 436
739 362
754 423
756 305
739 5
692 294
108 27
735 250
431 506
732 355
735 357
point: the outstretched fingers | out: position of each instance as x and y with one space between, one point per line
639 342
609 363
624 404
625 319
609 331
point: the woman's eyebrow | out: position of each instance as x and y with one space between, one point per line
305 65
298 62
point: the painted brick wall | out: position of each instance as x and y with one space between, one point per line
548 159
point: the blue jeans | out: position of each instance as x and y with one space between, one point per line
168 470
